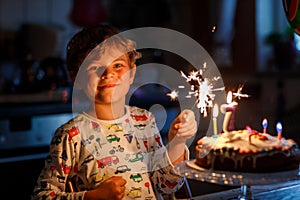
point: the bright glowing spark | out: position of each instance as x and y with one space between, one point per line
213 29
173 95
202 89
239 93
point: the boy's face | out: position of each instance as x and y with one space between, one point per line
106 78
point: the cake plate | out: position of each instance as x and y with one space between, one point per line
192 171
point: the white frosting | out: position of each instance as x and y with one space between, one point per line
240 140
237 145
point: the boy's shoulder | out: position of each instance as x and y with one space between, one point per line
76 121
71 129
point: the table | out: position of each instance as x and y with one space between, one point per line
289 191
252 185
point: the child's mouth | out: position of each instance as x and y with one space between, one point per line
107 86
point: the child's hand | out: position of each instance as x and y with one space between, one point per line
111 188
184 126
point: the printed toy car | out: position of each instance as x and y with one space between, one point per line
122 169
136 177
138 156
108 161
112 137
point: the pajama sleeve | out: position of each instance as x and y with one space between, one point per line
162 174
60 162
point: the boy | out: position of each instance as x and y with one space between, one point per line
111 150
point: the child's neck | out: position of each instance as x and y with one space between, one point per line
107 111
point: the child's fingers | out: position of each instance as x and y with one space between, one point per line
186 127
184 117
187 115
184 120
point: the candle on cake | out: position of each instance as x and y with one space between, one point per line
279 132
265 125
215 115
249 130
229 110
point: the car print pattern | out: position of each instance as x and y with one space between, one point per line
126 154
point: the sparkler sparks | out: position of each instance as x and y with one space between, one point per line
201 88
173 95
239 93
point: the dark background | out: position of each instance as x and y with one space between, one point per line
36 93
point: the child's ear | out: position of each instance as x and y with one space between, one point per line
78 83
75 80
72 76
132 73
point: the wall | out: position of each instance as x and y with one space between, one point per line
270 17
13 13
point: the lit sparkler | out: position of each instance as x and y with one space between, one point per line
202 89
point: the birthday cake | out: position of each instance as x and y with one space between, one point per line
247 151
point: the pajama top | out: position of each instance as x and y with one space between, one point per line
86 151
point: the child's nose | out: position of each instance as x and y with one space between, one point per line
105 72
101 71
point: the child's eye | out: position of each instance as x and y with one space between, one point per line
118 65
93 68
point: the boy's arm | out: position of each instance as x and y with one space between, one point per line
53 180
164 178
181 129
